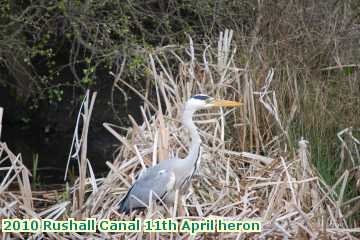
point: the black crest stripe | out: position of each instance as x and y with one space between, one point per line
201 97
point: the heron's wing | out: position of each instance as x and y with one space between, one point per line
155 181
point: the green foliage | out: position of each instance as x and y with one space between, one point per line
55 95
41 32
65 196
89 72
135 63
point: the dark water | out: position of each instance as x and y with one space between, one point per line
47 132
53 149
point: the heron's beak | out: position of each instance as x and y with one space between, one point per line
225 103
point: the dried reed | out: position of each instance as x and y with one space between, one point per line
280 188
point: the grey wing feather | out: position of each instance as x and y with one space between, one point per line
154 179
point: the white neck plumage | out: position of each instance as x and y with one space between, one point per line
195 137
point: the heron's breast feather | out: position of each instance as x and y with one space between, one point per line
171 183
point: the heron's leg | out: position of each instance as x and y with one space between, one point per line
175 209
181 208
182 211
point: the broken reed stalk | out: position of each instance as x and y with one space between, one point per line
17 170
16 162
83 160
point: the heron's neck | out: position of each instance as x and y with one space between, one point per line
195 137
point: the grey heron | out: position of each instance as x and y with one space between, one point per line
162 180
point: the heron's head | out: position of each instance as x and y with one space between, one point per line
201 101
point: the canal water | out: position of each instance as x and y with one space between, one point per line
46 133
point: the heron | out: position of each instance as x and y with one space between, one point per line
163 180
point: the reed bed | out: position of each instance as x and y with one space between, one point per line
249 168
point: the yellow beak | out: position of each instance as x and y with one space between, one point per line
225 103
